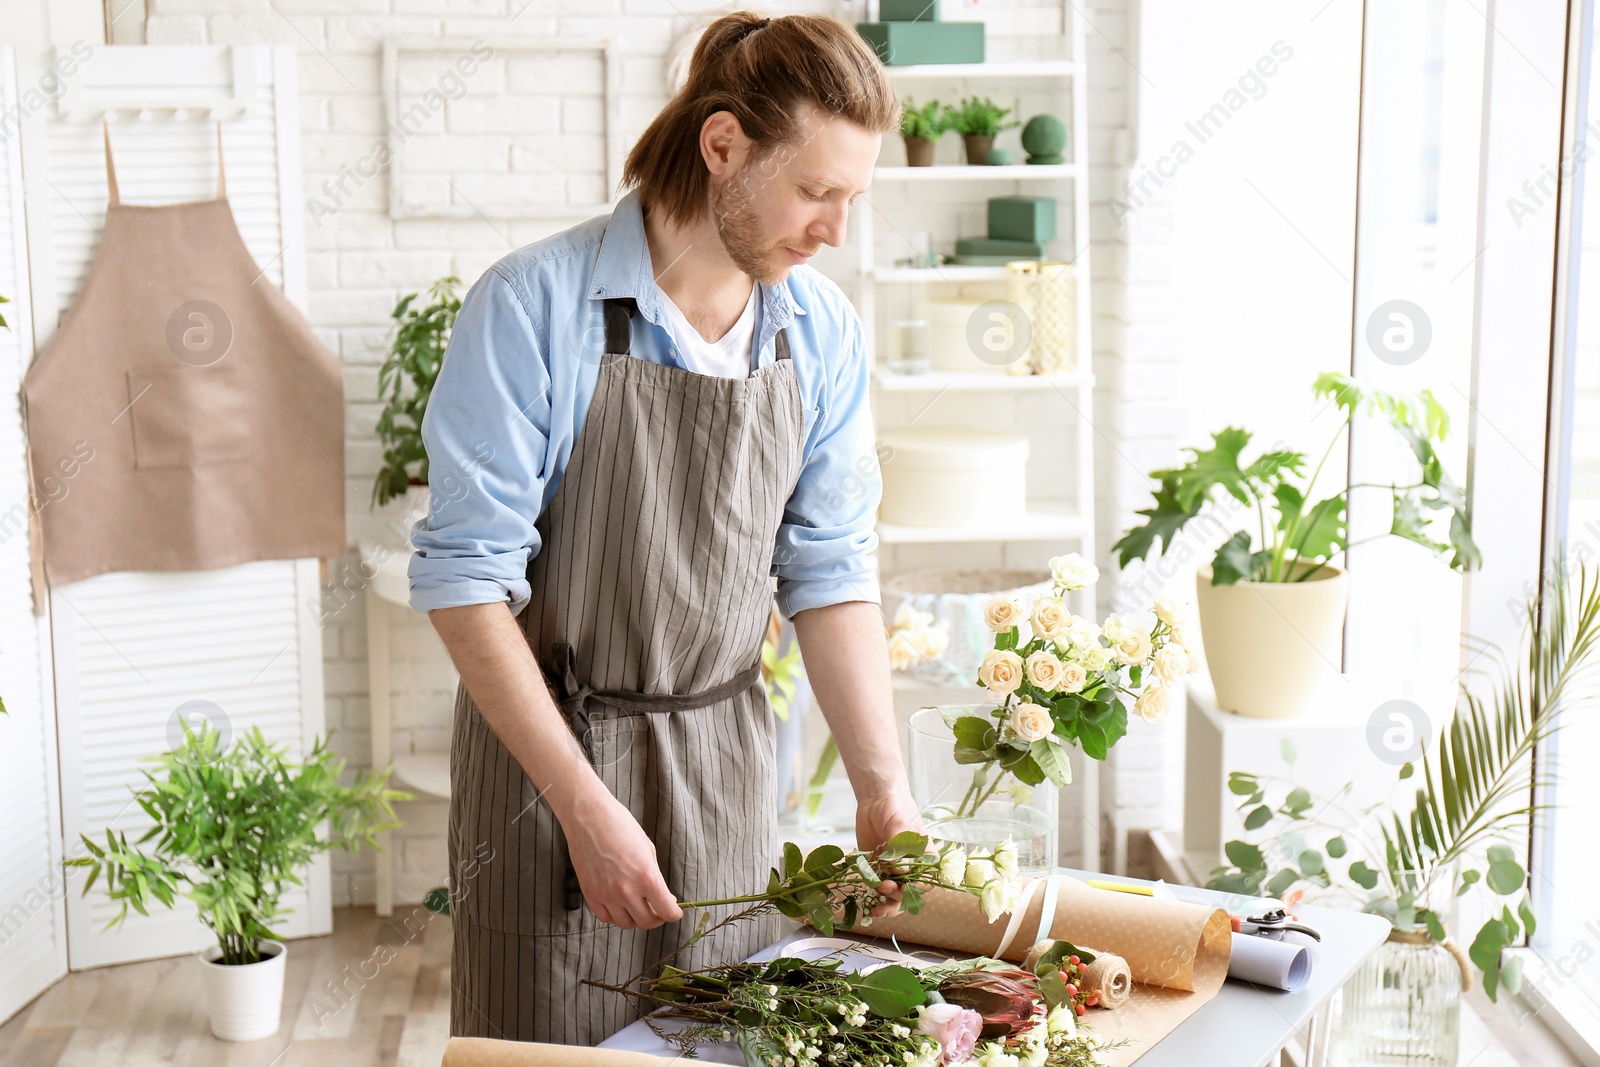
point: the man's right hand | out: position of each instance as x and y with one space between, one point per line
616 864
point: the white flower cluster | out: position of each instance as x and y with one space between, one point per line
994 878
915 637
1075 650
1034 1045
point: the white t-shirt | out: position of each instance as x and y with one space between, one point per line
726 357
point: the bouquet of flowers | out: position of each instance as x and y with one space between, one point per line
1068 681
801 1013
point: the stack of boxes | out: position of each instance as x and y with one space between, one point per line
1019 226
910 32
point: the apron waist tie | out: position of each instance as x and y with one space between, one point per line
573 696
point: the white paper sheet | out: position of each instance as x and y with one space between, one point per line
1265 961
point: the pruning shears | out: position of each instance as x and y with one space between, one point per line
1270 924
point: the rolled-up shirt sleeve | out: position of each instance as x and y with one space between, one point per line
486 431
826 544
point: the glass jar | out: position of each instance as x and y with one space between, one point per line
1403 1006
978 806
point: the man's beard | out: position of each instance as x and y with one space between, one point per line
740 231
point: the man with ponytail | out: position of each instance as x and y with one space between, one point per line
645 427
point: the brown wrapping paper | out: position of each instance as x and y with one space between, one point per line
1176 952
484 1052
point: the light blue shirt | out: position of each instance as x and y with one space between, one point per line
515 385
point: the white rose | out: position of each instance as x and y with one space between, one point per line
979 873
1072 571
1114 629
1062 1020
1172 662
1050 617
1081 633
1135 647
1002 613
1194 660
1166 611
902 653
906 616
1178 634
1030 722
953 867
1073 678
1005 859
931 642
1001 671
996 898
1095 659
1044 670
1153 703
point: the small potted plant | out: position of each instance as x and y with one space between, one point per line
1272 617
979 120
1473 798
235 825
921 127
405 382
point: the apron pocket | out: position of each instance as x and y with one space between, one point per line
189 416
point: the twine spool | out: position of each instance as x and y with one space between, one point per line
1108 975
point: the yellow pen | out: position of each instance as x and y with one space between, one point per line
1122 887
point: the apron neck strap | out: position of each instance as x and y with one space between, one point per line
619 316
111 170
222 183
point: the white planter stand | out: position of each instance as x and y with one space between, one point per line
245 1001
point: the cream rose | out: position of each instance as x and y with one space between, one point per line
1114 629
1002 613
953 867
1095 658
1166 611
1072 571
902 653
1001 671
997 898
1073 678
930 642
979 873
1044 670
1030 722
1153 703
1172 662
1135 647
1050 617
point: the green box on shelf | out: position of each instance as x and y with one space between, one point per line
904 44
994 246
1022 218
908 10
990 261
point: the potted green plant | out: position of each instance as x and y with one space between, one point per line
1272 617
922 127
405 381
979 120
1472 803
235 825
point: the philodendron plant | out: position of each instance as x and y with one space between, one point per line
1470 806
1294 537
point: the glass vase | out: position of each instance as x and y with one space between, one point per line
1403 1006
978 806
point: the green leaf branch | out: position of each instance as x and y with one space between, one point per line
405 382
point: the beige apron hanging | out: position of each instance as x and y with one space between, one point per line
650 598
185 417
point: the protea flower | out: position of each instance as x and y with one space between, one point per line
1005 998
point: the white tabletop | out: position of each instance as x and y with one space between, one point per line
1242 1026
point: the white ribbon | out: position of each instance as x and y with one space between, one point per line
1047 913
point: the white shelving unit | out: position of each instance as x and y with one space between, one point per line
1068 523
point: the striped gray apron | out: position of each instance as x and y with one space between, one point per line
651 596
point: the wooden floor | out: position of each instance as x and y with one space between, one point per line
375 992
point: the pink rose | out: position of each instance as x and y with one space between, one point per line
954 1027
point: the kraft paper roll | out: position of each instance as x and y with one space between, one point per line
486 1052
1108 975
1177 953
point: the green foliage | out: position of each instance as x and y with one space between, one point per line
981 116
929 121
1305 535
1472 797
234 827
782 676
4 325
405 382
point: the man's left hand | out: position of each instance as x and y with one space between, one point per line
879 818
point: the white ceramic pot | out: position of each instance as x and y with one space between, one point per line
1272 647
246 1000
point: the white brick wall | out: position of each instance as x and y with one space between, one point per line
361 262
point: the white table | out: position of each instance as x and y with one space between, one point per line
1242 1026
